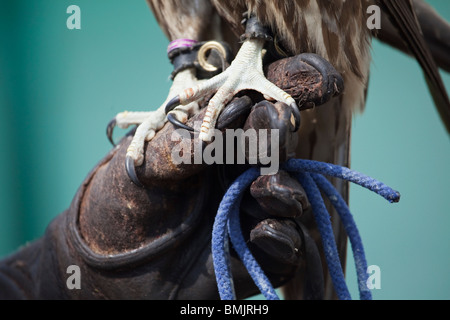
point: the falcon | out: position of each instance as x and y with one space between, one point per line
335 30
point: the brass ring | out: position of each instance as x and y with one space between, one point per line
210 45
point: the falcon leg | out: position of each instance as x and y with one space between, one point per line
190 67
151 122
244 73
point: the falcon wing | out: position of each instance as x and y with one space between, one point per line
404 19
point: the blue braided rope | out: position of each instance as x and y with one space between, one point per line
219 241
309 173
252 266
352 231
327 169
323 221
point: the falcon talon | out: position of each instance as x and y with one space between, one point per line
110 130
131 171
177 123
172 104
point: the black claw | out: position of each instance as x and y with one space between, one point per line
177 123
129 165
235 109
172 104
297 117
110 130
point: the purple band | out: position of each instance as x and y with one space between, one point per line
180 43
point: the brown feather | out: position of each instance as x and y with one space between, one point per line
403 17
191 19
435 29
336 30
436 32
183 18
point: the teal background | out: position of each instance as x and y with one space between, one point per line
59 88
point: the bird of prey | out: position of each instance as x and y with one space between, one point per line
333 29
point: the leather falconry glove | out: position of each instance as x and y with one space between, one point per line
154 242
